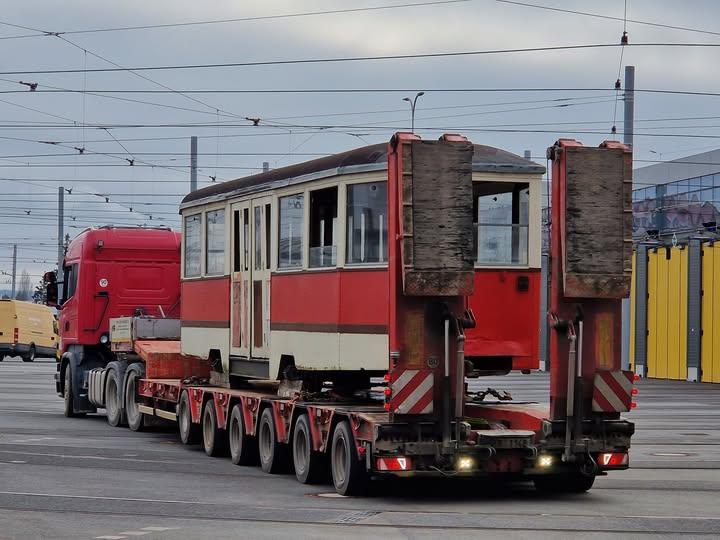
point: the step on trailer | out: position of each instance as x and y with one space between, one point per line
420 421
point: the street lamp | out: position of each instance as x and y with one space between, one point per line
412 103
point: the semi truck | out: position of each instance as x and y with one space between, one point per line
325 312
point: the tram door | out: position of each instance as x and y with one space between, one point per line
241 281
260 215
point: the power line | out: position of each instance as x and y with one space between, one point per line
609 17
223 21
468 90
359 58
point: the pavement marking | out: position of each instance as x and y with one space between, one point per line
102 498
17 461
135 533
109 537
159 529
102 458
34 440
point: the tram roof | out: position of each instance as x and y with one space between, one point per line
363 159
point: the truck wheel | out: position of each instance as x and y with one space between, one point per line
189 432
113 396
214 439
135 418
30 356
243 447
574 482
68 409
348 472
273 455
310 466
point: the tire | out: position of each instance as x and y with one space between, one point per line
215 440
68 409
573 482
243 447
310 466
189 432
348 473
113 396
135 419
30 356
273 455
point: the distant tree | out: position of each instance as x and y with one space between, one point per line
24 290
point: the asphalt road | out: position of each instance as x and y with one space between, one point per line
80 478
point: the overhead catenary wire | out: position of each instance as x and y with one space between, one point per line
44 33
332 60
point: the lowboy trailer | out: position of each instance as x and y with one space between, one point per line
421 420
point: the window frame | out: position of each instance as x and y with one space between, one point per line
346 252
206 243
279 266
186 217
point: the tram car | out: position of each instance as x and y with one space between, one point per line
285 273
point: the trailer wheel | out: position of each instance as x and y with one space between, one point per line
573 482
273 455
310 466
348 472
135 419
214 439
30 356
243 447
113 396
189 432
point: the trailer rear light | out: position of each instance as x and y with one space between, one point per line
464 463
545 461
613 459
16 333
635 392
393 464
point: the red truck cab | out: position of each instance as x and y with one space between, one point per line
111 272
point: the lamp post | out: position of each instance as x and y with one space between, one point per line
412 103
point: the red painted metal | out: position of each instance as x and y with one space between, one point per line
602 317
353 301
163 360
507 318
119 271
206 302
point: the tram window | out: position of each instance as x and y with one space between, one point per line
501 211
258 238
323 224
290 231
246 238
267 236
366 223
236 241
192 245
215 242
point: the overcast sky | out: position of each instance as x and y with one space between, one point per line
31 171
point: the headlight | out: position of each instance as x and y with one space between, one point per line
545 461
104 338
464 463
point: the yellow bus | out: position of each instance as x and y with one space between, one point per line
27 330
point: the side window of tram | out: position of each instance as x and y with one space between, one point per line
290 231
501 211
192 238
215 242
366 223
257 211
323 226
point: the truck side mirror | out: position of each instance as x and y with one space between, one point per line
51 295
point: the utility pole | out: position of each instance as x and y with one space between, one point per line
14 276
628 127
193 163
61 234
628 121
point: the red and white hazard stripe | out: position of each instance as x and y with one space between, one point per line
612 391
412 391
